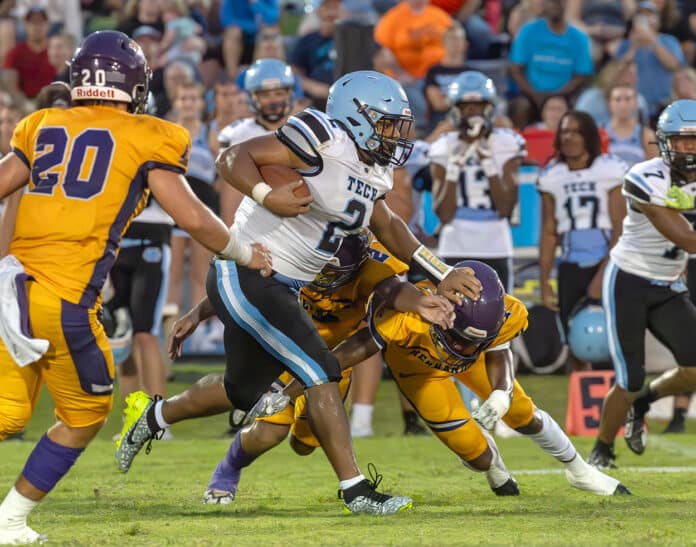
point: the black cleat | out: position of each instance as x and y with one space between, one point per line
509 488
416 429
621 490
602 456
677 425
635 433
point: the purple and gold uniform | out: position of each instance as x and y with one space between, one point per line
424 375
338 315
89 168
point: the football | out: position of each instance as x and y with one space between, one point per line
277 175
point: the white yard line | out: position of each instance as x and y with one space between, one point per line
558 470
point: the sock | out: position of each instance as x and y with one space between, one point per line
236 456
410 418
14 509
679 414
158 415
344 485
361 416
352 488
552 440
48 463
228 472
497 473
155 420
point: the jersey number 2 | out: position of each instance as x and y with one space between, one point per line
88 162
330 242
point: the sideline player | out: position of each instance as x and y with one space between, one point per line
90 169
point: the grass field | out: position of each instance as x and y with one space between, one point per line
284 499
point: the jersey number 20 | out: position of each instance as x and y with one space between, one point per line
87 161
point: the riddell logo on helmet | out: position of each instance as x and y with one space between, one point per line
94 93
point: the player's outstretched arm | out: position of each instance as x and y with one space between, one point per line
239 165
400 241
175 196
14 174
499 366
187 324
406 297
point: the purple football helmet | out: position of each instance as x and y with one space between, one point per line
344 265
109 66
476 323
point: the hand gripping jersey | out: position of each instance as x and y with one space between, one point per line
339 314
88 179
642 250
581 197
477 229
344 191
405 337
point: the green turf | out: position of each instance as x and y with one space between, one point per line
285 499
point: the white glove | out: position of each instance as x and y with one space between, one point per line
486 158
492 409
457 161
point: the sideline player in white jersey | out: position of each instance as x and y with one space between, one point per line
269 85
346 157
582 210
642 286
474 174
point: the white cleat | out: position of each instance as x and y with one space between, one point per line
20 535
583 476
218 497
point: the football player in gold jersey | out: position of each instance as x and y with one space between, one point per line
90 169
337 303
476 351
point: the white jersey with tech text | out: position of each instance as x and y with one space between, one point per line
581 198
477 230
344 191
240 131
642 250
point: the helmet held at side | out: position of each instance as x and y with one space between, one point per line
110 66
374 110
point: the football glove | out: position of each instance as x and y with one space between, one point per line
677 198
491 410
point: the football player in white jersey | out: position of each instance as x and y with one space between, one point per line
269 85
474 171
642 287
582 210
346 157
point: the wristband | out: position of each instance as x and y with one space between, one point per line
236 250
434 268
489 167
260 191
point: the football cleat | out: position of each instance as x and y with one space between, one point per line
268 404
136 429
583 476
218 497
602 457
364 498
635 433
510 488
20 535
676 425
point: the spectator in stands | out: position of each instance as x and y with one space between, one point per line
60 50
63 15
139 13
230 105
604 21
313 57
242 20
684 84
149 39
439 76
594 99
629 139
522 12
175 74
552 110
477 29
657 55
27 68
182 37
582 210
550 56
412 31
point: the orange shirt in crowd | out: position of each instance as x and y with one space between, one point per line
415 40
